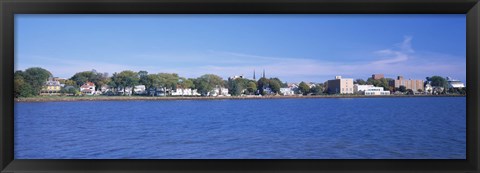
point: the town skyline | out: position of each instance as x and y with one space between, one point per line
196 45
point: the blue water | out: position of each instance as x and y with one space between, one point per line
359 128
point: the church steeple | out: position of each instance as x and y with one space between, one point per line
253 74
263 73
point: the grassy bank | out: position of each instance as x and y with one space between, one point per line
127 98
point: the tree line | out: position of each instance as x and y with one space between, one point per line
31 81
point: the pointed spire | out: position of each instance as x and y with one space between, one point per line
253 74
263 73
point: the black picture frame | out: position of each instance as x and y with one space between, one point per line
9 8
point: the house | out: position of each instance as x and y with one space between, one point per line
185 92
88 88
287 91
219 91
428 88
159 91
140 89
51 87
340 85
105 88
235 77
125 91
293 86
369 90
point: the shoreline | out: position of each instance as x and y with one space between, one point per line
148 98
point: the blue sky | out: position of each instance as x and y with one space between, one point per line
292 47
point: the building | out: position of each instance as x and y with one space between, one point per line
452 83
287 91
219 91
377 76
140 89
360 88
88 88
51 87
428 88
369 90
185 92
340 85
235 77
414 85
105 88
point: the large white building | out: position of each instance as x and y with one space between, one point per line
452 83
369 90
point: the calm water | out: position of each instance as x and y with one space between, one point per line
390 128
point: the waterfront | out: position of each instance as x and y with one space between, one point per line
338 128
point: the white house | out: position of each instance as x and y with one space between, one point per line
287 91
369 90
105 89
292 86
140 89
127 90
185 92
219 91
88 88
428 88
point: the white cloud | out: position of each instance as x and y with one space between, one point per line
390 56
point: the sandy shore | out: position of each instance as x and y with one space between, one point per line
131 98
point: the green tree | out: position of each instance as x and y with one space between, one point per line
185 83
206 83
143 75
262 84
438 81
252 87
168 81
274 85
360 82
410 92
237 86
152 83
70 83
234 87
282 84
126 79
303 88
402 88
383 82
36 78
81 78
21 87
99 79
317 89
